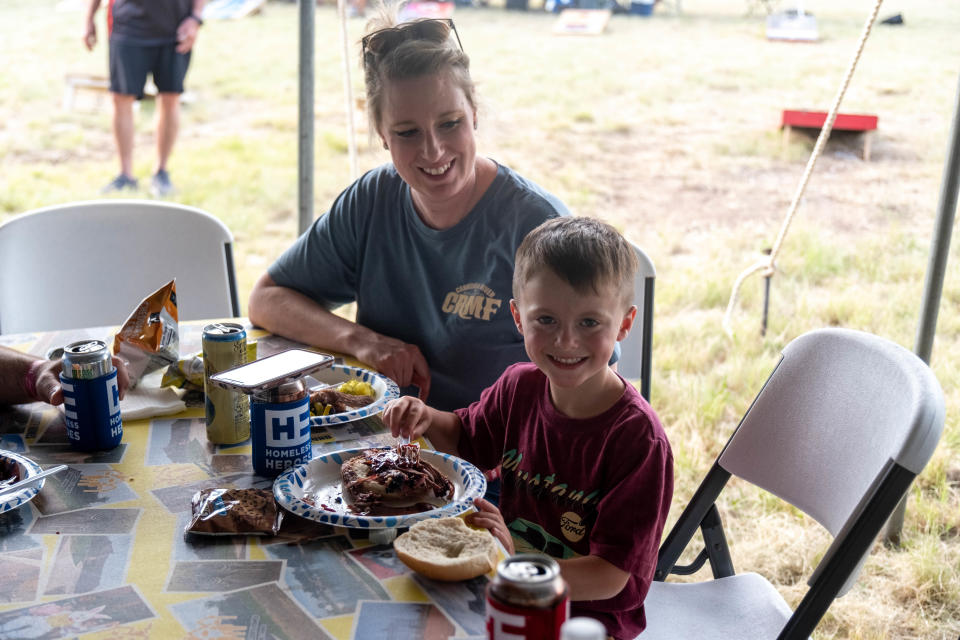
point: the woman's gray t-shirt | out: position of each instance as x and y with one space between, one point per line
447 291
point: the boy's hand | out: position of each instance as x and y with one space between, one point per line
490 518
407 416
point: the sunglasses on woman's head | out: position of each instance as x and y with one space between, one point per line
433 29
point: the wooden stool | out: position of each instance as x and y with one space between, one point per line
74 82
814 120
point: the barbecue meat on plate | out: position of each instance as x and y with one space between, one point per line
339 401
393 477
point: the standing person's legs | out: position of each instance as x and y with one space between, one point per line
168 125
168 75
128 74
123 130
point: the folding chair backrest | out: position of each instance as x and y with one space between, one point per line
89 264
636 350
840 429
840 410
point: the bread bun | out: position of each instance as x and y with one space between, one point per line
447 549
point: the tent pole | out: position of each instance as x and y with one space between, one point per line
936 268
348 89
305 123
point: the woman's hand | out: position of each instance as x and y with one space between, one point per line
401 362
291 314
408 417
490 518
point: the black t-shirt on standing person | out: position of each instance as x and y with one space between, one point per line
149 22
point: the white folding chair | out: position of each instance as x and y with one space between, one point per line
636 349
839 430
87 264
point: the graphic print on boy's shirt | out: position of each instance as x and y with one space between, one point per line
574 507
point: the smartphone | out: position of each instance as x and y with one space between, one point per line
272 371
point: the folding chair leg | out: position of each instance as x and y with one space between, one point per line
715 544
715 549
700 512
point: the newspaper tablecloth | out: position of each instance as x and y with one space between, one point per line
101 551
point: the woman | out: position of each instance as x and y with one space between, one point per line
424 245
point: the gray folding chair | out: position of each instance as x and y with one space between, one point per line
87 264
636 349
840 429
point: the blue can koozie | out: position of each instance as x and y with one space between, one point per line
92 411
280 434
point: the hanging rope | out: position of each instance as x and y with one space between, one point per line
768 264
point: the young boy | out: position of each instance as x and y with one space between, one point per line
587 469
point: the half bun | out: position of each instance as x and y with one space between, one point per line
447 549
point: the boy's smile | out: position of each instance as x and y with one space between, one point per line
570 335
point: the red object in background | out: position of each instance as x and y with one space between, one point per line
815 120
109 17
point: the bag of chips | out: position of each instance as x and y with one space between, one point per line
187 373
150 338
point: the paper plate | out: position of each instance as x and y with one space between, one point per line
319 482
385 388
13 463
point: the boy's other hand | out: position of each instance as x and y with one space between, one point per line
407 416
490 518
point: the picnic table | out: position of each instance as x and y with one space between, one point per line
102 547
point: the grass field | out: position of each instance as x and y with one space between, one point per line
666 127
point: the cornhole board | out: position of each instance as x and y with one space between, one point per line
75 83
590 22
231 9
414 10
814 120
98 87
792 26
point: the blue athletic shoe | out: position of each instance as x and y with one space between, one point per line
160 185
121 182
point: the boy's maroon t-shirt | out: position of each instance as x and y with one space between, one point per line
572 487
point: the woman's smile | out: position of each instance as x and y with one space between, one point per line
438 171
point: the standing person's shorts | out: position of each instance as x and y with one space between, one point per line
130 63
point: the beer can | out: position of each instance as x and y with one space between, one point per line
280 428
527 599
91 396
228 412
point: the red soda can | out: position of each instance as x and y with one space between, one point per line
527 599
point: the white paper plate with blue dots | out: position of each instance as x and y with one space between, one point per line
335 375
314 491
13 464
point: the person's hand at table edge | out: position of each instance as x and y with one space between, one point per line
26 378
